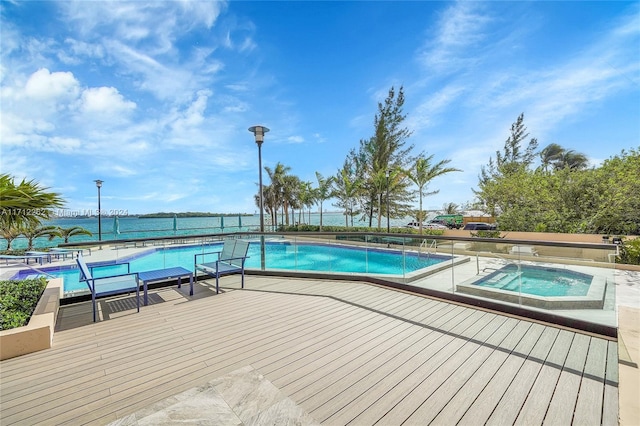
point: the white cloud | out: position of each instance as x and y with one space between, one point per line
46 86
295 139
426 113
76 51
16 129
319 138
550 96
118 170
460 27
61 144
192 117
105 100
155 23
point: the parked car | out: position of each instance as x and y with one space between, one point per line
413 225
428 225
480 226
448 225
434 225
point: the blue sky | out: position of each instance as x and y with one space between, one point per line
155 98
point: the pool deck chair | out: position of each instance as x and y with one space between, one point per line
110 285
229 260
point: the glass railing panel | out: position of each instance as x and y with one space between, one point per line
429 263
571 280
455 266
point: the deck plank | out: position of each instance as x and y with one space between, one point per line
352 395
535 406
610 403
590 398
368 408
486 359
348 352
565 395
505 394
466 358
501 360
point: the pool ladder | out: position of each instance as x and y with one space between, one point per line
423 244
506 261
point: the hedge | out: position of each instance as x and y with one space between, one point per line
18 299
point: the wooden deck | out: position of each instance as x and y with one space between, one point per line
346 353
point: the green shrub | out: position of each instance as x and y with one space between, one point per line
629 252
316 228
18 299
486 234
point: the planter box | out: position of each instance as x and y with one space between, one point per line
38 334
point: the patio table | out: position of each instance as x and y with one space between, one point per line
165 274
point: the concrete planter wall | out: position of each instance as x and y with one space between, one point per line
38 334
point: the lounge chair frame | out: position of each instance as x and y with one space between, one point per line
230 260
110 285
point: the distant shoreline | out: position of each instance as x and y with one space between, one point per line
190 214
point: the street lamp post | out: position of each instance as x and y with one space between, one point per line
259 132
99 185
388 213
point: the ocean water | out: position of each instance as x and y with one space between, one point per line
134 227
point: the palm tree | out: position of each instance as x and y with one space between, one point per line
307 197
270 203
10 233
276 190
558 157
67 233
290 195
550 155
573 160
424 172
323 191
450 208
31 232
25 202
346 187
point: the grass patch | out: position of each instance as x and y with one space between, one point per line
18 299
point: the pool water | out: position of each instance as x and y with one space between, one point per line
308 257
538 281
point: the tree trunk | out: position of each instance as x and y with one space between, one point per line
379 210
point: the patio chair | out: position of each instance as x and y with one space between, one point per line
109 285
229 260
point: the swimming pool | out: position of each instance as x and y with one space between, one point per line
541 286
278 256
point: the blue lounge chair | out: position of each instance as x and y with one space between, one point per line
108 286
230 260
